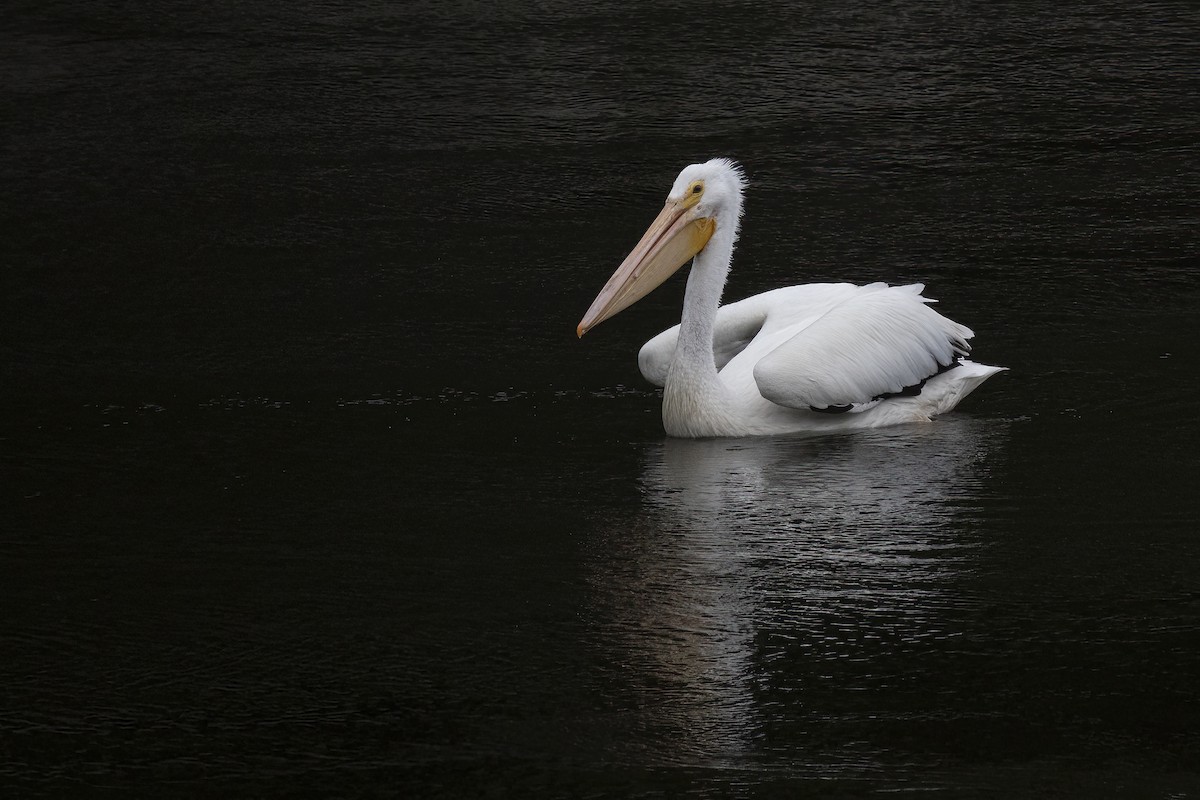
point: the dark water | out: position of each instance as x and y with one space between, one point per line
308 488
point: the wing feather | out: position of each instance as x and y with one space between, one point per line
879 341
737 325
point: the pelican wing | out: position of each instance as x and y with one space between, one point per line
736 326
879 341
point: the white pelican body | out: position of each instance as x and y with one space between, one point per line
819 357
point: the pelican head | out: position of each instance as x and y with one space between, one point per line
704 197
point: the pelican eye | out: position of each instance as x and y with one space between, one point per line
693 193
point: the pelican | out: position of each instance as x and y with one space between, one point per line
816 357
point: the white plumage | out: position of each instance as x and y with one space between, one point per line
815 357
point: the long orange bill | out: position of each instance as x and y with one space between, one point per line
675 236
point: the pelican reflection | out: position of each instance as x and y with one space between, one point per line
751 558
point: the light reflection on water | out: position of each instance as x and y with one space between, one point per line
748 554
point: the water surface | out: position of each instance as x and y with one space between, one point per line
309 488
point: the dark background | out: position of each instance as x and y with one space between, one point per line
308 488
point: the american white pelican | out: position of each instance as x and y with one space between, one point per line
819 357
